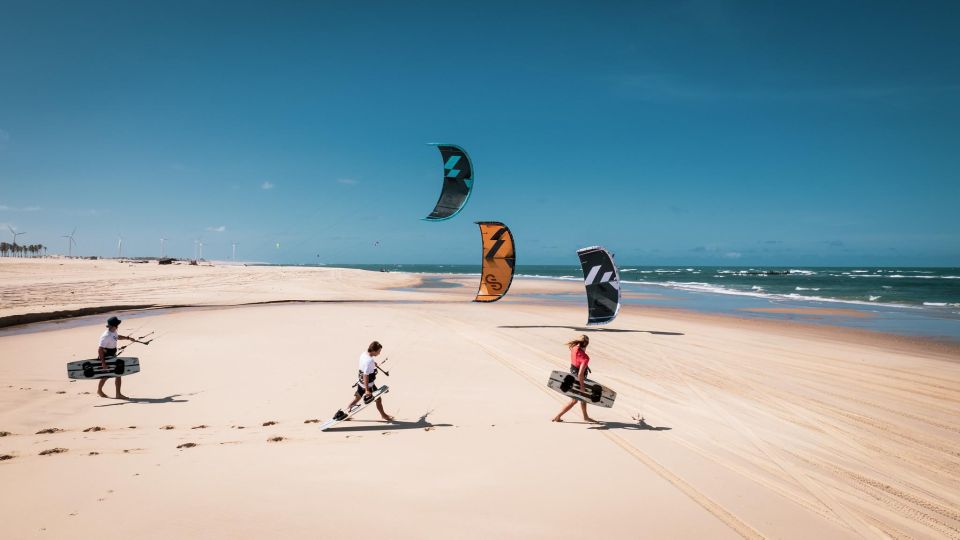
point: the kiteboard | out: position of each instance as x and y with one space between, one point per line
356 408
92 369
596 394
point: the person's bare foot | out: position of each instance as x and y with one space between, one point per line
387 417
556 419
101 394
591 420
120 396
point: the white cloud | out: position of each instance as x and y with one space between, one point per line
221 228
732 255
24 209
266 185
347 181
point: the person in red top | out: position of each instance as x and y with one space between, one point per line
579 366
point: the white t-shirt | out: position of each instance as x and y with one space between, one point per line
109 339
367 365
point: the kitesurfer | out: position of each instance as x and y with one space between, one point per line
366 376
108 348
579 361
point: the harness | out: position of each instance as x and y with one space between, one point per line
370 378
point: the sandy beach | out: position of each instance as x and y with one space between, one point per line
750 429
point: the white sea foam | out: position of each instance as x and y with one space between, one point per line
694 286
803 272
874 298
807 289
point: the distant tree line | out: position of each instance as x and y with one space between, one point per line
16 250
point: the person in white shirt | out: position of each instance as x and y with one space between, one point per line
108 348
366 376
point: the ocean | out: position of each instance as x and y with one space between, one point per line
908 301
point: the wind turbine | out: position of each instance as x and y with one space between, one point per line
119 247
15 234
235 244
162 240
70 242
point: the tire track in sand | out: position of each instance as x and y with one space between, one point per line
725 516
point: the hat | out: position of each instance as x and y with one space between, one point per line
113 321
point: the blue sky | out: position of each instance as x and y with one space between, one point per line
804 133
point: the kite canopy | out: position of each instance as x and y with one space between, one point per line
499 258
457 182
602 281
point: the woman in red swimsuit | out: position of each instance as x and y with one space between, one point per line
579 361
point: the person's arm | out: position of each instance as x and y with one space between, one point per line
581 375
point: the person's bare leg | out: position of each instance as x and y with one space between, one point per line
385 416
586 417
356 400
119 395
564 410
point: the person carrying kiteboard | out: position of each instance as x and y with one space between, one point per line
108 348
579 361
366 375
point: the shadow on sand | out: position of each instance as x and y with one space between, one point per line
383 425
168 399
582 329
641 425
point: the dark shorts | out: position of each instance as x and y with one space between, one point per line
576 371
360 392
107 353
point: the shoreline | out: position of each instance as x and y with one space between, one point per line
950 350
415 287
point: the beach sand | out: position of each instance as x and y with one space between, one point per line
752 428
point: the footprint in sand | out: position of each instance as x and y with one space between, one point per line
239 427
94 454
275 439
5 457
269 423
53 451
5 433
201 426
311 421
168 427
132 427
62 392
94 428
187 445
48 430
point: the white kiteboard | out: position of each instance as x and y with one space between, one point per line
595 394
91 369
356 408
